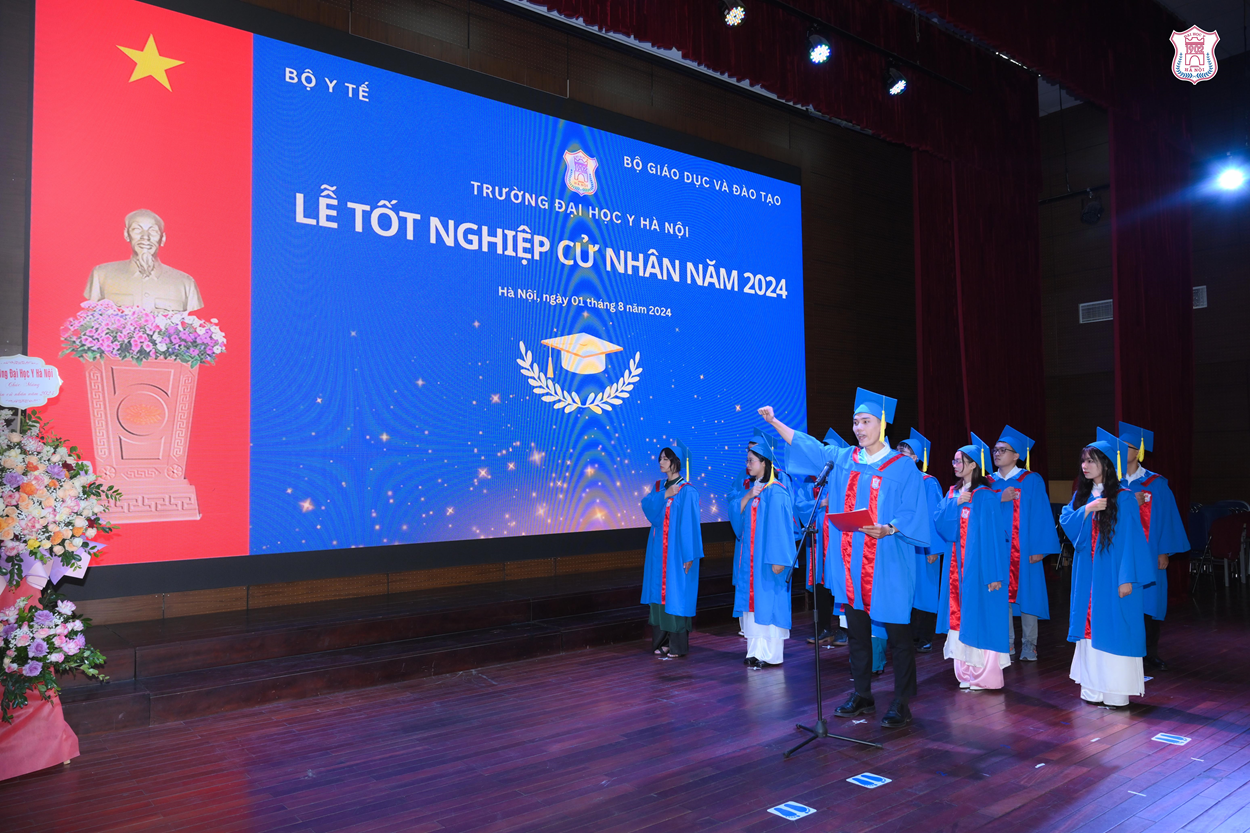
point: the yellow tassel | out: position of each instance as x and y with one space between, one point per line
925 465
882 426
1119 473
982 461
1141 450
1028 455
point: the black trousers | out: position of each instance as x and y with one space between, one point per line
1152 636
678 643
824 609
923 626
859 629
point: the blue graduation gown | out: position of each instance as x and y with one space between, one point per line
766 529
1031 525
804 503
874 575
978 557
664 577
1165 535
1113 625
740 487
929 576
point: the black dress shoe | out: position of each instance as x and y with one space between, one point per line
1156 663
840 638
751 662
898 716
760 664
925 648
854 706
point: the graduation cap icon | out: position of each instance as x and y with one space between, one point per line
582 352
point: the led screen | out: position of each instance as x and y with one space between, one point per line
444 316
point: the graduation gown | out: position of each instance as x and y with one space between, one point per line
877 576
978 557
1113 625
675 538
804 503
765 527
1032 527
929 576
740 487
1165 535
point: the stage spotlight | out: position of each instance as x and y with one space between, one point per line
734 13
818 48
1231 179
895 81
1091 210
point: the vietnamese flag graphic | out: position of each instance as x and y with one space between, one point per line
140 107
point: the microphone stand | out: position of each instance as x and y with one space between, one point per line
821 727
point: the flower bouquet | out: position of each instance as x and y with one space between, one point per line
37 645
51 504
103 328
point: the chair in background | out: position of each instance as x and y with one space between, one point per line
1226 546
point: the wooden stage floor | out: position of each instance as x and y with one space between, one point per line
613 740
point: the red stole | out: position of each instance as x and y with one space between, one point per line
668 508
869 562
1144 509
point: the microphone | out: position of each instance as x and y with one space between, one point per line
824 474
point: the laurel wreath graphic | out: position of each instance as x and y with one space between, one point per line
567 400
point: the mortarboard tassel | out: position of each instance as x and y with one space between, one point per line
924 466
1141 449
882 425
1028 455
983 460
1119 475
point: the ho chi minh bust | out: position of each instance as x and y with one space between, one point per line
143 281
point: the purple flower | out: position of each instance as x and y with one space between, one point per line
13 480
8 630
56 470
32 668
38 648
44 618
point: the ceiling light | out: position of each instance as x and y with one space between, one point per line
734 13
818 49
895 81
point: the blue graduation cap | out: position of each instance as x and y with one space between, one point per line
978 451
1138 438
834 439
764 448
1019 443
1115 449
920 444
880 406
683 454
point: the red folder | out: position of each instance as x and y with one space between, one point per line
851 521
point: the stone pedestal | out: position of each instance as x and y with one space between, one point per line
141 425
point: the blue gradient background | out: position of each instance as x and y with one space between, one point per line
387 402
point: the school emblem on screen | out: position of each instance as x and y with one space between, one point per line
579 172
1193 54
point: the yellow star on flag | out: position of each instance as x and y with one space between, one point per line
149 62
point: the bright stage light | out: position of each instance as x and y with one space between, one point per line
1231 179
895 81
734 13
818 49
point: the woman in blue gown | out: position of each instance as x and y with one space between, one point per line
973 609
764 519
670 577
1109 566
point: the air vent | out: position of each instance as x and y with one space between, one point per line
1200 297
1096 311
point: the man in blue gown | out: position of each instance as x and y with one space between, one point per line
831 634
1161 522
872 570
1031 525
928 559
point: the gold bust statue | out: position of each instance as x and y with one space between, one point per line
143 281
